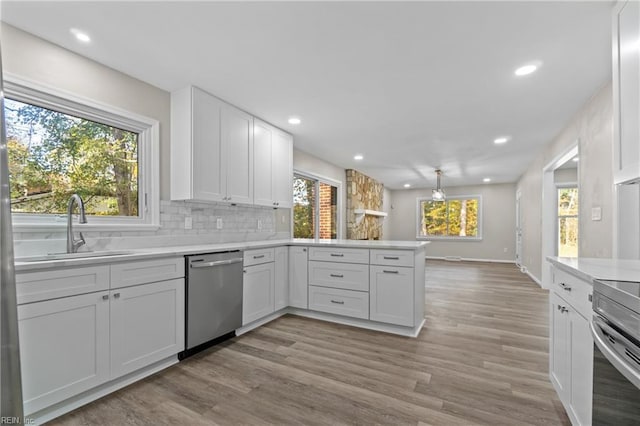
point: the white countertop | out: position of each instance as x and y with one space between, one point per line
603 269
154 252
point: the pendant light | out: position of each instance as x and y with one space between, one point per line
438 193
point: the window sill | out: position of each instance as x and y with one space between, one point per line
422 238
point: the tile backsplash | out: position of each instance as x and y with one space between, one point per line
239 223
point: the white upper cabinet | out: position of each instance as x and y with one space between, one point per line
220 153
237 144
211 149
626 91
273 166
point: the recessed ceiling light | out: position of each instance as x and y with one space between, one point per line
502 139
576 159
294 120
526 70
358 157
407 185
81 36
486 180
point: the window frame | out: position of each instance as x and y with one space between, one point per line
148 131
328 181
419 236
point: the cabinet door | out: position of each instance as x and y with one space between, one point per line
258 292
298 277
64 346
391 295
262 164
626 79
581 360
147 325
237 143
282 278
559 341
282 159
209 165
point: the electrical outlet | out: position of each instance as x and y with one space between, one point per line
259 224
282 219
505 250
219 223
188 222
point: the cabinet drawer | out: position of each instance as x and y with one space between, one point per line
52 284
256 257
341 302
347 276
337 254
574 290
146 271
392 257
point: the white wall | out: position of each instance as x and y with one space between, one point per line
592 126
304 162
565 176
498 222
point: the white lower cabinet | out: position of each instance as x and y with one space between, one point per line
298 277
258 288
146 325
341 302
281 278
391 291
64 348
571 349
70 345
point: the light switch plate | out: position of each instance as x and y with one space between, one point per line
596 213
188 222
219 223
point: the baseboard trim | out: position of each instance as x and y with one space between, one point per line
533 277
469 259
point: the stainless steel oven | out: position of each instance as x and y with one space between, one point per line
616 356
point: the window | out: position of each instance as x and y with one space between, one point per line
315 207
59 146
456 218
568 222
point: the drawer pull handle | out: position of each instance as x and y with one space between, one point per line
258 256
389 272
337 302
565 287
337 254
105 297
336 275
564 309
116 295
391 257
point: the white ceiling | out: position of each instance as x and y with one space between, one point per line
411 86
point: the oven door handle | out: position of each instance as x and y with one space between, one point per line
598 325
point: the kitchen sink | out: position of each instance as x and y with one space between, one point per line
65 256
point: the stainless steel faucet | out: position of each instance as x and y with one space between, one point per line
73 244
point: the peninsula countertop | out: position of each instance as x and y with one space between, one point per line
28 264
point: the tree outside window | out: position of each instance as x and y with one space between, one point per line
568 222
456 217
53 155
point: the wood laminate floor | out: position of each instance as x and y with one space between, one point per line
482 358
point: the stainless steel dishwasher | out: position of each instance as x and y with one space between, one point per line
213 299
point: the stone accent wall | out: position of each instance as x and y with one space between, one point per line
363 192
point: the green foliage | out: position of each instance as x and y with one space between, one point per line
568 222
53 155
303 208
450 218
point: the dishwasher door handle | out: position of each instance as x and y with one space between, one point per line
215 263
